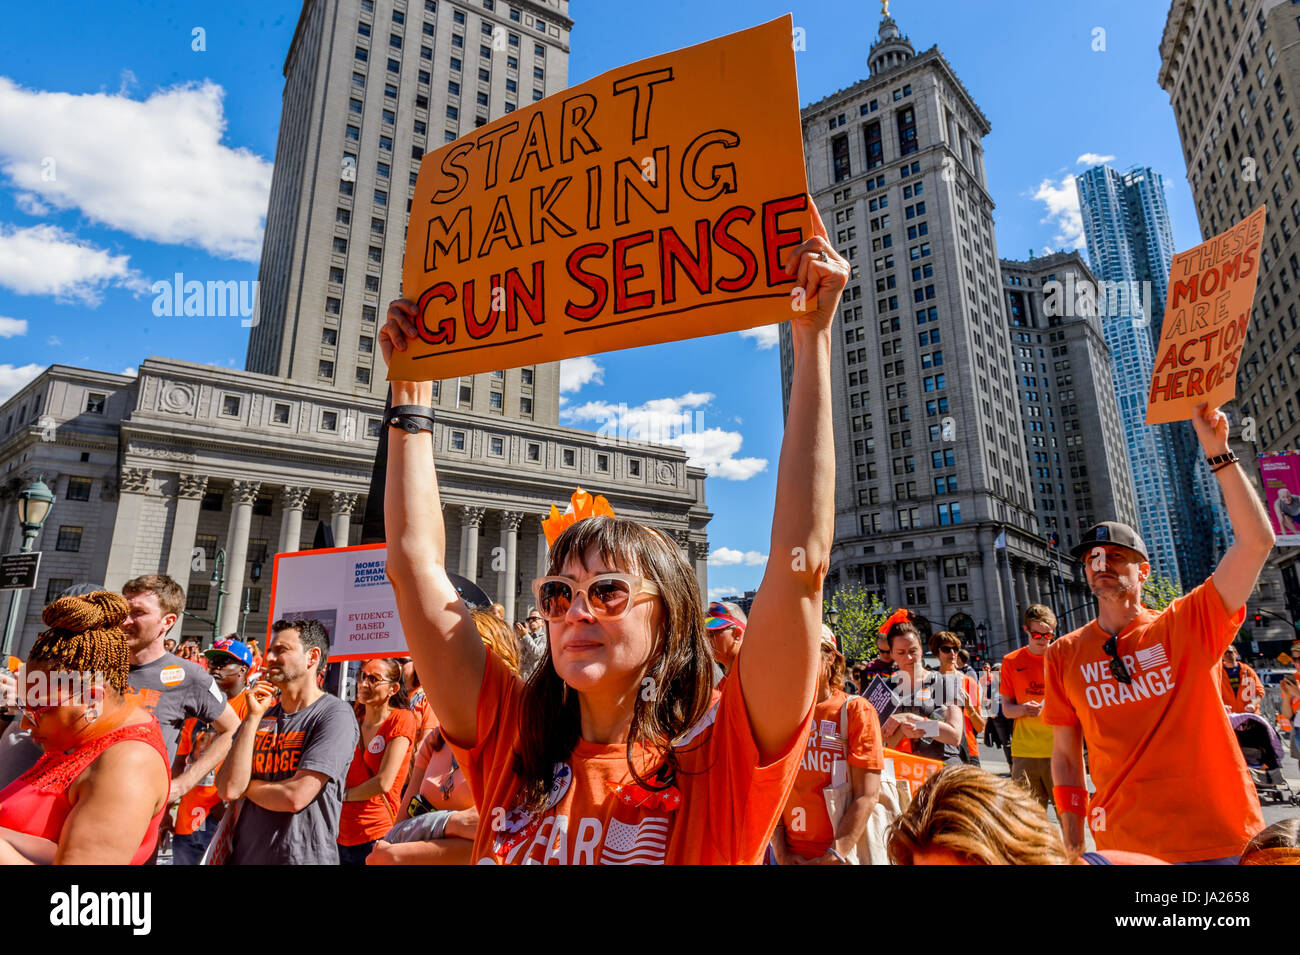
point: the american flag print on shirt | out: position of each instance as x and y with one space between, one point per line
639 843
1153 657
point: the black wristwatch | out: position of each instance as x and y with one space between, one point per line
1229 457
411 418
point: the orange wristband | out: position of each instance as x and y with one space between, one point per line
1070 799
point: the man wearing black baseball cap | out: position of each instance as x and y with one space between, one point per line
1139 686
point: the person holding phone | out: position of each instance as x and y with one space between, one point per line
614 751
928 722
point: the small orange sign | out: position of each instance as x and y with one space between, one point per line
651 204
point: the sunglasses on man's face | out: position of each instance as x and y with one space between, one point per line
609 596
1117 668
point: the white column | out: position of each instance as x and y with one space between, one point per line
292 501
470 519
243 495
700 551
341 505
508 578
121 559
189 497
543 548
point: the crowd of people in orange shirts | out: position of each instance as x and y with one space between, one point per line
628 722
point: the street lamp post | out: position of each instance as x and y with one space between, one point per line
217 580
255 574
35 502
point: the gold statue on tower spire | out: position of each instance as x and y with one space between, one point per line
884 8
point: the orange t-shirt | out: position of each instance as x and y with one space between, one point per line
808 830
370 819
1023 681
1169 775
972 688
193 808
1250 688
729 801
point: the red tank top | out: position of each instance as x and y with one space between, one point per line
36 803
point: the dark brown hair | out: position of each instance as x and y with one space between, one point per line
681 663
393 674
85 636
944 638
171 597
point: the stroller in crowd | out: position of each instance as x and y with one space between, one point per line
1262 749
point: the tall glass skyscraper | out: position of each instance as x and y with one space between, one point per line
1130 248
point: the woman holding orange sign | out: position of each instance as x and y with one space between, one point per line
614 751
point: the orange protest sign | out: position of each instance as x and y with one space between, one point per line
912 769
650 204
1207 310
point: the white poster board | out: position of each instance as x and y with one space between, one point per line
346 590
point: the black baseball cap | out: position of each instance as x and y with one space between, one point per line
1110 532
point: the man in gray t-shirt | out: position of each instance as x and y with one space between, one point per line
173 690
290 757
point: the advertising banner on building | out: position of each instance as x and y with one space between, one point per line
1280 475
345 589
651 204
1207 311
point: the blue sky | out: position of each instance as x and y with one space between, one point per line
161 160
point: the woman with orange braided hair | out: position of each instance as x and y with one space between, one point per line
98 793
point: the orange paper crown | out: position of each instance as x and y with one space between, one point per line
581 506
902 615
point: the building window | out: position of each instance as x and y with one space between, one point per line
526 376
464 395
840 158
458 440
340 245
280 413
329 420
230 405
634 468
949 513
333 306
372 427
329 336
875 147
363 375
496 446
55 586
79 488
196 599
570 458
69 538
602 463
526 406
907 143
325 369
534 451
95 403
366 345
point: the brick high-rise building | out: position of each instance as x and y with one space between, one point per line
1078 468
1232 72
930 452
370 86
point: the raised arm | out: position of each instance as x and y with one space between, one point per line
448 654
1237 572
779 660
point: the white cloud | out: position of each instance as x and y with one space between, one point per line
54 341
1093 159
45 260
12 327
671 421
765 336
577 372
155 169
130 372
1062 201
13 377
727 557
